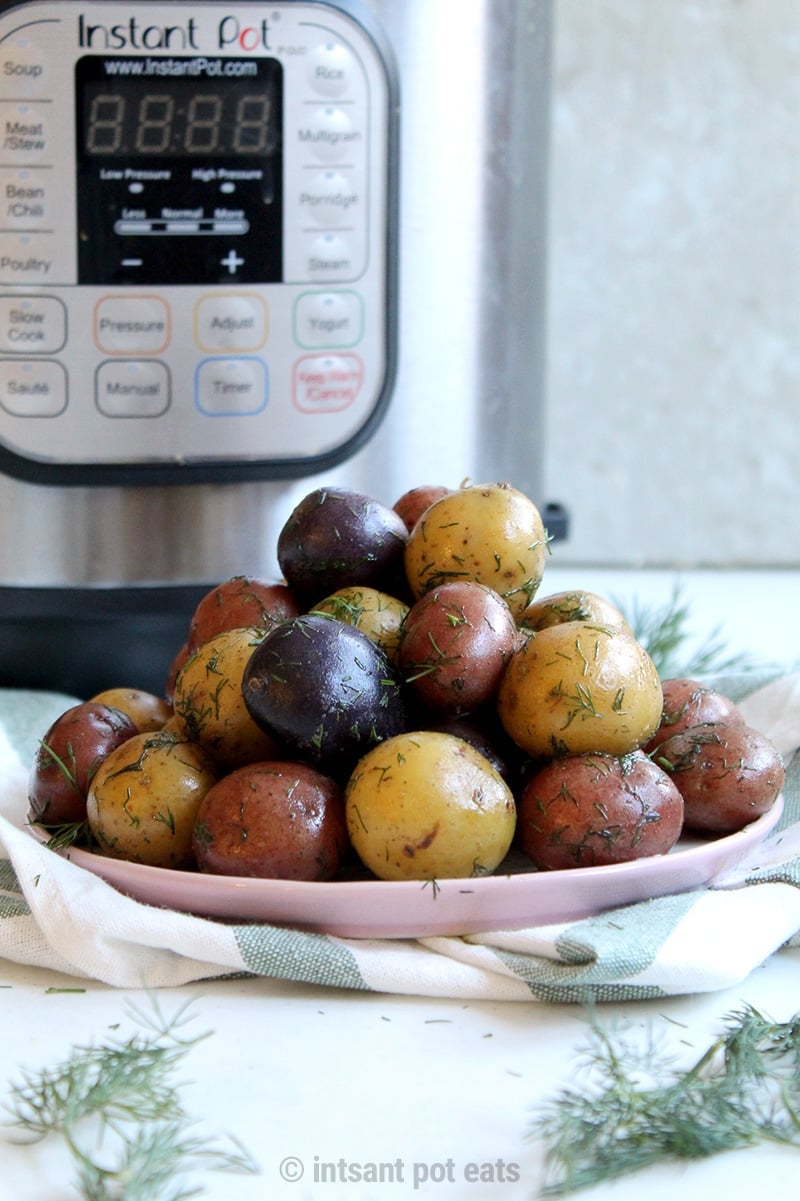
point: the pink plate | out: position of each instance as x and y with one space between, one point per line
514 898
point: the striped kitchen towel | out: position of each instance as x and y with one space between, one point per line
56 914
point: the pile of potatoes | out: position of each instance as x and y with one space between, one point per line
403 700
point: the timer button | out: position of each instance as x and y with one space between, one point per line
331 69
329 134
231 387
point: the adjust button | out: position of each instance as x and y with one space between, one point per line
231 323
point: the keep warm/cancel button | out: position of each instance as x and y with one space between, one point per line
327 383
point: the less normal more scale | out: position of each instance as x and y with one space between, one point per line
197 239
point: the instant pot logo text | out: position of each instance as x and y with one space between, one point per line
131 34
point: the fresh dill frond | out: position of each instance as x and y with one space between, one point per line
663 630
636 1109
118 1107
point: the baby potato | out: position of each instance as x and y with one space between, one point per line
690 703
146 710
491 533
278 820
143 800
209 705
576 687
572 606
67 758
412 504
456 642
727 773
587 810
428 806
239 602
375 613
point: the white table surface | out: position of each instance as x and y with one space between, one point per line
308 1077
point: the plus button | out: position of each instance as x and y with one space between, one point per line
232 261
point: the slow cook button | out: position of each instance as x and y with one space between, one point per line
32 324
232 323
235 387
328 319
327 383
132 388
33 389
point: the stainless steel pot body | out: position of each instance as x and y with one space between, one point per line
474 89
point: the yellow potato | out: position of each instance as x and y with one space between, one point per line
577 686
428 806
143 800
491 533
209 705
146 710
375 613
572 606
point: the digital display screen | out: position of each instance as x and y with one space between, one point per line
131 114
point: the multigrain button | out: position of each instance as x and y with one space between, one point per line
329 134
131 325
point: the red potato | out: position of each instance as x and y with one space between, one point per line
68 757
727 773
586 810
690 703
456 642
412 504
278 820
238 602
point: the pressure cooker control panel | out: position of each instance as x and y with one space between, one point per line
197 238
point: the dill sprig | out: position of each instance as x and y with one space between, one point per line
119 1110
663 632
637 1110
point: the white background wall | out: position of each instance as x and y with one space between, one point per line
673 416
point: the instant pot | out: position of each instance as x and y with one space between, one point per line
246 249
